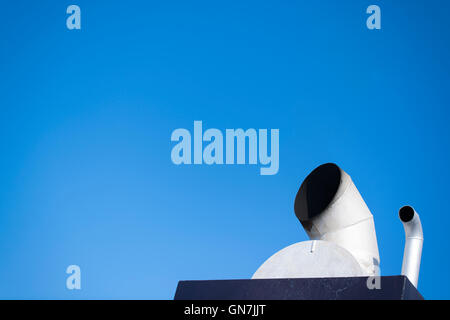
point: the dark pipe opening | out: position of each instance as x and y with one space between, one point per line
316 192
406 213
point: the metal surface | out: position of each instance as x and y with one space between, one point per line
310 259
413 244
330 208
392 288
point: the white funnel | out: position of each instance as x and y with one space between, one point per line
330 208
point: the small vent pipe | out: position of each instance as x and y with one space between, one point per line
413 244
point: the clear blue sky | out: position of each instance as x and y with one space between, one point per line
86 118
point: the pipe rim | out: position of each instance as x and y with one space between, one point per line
317 192
406 213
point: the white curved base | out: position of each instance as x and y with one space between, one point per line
310 259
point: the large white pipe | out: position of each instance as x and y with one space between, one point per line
413 243
330 208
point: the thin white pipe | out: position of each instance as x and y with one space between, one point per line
413 243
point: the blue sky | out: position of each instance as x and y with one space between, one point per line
86 116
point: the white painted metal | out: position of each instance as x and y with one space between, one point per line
310 259
348 222
413 245
341 226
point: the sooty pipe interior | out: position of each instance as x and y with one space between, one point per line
316 192
406 214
